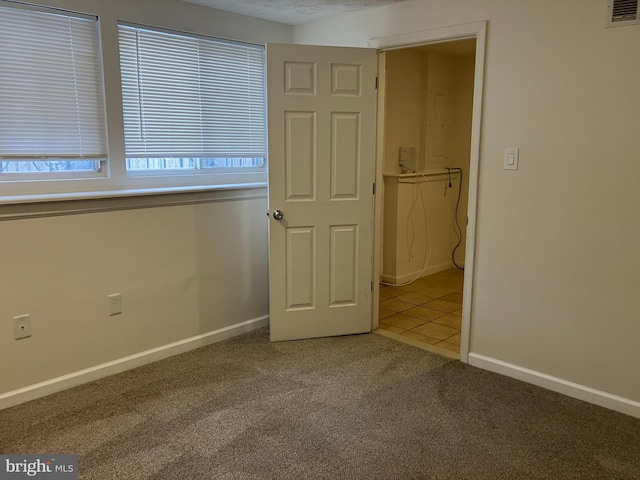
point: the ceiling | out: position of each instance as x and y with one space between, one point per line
292 12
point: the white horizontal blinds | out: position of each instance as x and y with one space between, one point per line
188 96
51 94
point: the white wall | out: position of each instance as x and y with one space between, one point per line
454 76
418 226
463 70
557 242
404 105
410 74
182 270
185 264
439 118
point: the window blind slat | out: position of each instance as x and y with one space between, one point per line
190 96
51 97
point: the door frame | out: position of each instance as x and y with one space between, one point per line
478 31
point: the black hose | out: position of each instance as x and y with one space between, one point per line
459 230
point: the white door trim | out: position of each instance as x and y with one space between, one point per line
478 31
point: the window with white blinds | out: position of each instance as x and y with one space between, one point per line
191 103
52 120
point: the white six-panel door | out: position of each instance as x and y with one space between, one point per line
322 133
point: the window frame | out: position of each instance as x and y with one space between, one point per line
198 170
113 180
97 64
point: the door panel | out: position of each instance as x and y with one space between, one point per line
300 155
345 155
344 265
301 261
322 116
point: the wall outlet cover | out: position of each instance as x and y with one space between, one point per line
22 326
114 304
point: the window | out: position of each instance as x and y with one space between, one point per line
191 104
52 121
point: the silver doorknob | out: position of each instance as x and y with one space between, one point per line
278 215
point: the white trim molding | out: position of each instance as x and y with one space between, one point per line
64 382
560 385
129 200
434 35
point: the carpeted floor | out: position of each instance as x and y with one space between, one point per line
358 407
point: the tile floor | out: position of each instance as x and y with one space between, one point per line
428 310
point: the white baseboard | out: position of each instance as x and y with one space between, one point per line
407 277
575 390
70 380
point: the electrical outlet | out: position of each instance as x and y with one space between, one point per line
114 305
22 326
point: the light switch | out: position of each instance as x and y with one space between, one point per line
511 158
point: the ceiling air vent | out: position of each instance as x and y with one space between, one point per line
622 12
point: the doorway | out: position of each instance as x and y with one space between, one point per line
428 108
428 148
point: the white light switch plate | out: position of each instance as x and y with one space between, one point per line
511 155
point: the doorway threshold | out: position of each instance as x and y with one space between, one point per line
417 343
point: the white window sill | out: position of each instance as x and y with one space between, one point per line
133 192
22 207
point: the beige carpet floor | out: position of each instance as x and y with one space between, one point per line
357 407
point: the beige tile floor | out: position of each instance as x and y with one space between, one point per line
428 310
